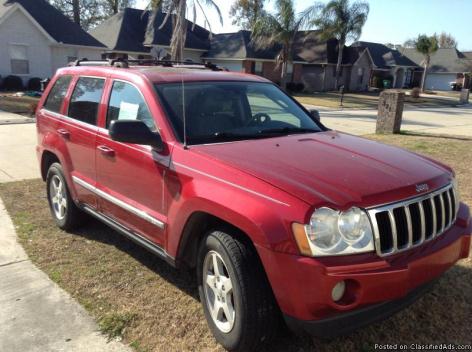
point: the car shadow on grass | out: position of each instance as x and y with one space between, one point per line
439 316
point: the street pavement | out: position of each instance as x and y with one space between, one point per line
443 121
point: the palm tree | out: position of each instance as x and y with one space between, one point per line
426 46
341 20
280 29
179 9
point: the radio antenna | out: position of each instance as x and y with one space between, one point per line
184 113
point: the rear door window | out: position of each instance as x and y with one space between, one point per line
127 103
57 94
85 99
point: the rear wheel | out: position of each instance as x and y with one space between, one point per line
237 300
63 209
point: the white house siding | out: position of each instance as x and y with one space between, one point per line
194 55
232 65
439 81
60 55
18 29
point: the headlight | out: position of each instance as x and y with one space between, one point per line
332 232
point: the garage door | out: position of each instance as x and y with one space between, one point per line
439 81
312 77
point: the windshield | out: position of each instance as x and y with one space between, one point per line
228 111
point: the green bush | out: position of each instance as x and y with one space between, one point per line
12 83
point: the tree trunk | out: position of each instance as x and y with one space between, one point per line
283 75
76 11
338 65
115 6
179 34
423 78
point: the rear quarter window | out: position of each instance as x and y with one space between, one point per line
85 99
57 94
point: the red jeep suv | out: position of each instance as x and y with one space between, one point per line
226 174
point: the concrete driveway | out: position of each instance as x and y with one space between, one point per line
445 121
17 148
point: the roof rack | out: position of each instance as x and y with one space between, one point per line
125 63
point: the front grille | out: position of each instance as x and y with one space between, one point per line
404 225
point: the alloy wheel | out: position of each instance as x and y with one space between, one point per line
218 290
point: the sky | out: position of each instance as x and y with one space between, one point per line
390 21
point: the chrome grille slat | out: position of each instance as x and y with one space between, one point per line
421 219
443 214
423 222
435 219
394 230
409 225
449 202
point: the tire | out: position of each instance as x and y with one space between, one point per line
256 316
67 215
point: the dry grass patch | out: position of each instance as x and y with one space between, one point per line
19 105
367 100
153 307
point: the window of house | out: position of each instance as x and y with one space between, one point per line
127 103
57 94
258 67
19 59
85 99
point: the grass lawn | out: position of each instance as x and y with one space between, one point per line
153 307
18 105
367 100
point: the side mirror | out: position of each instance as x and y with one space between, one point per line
315 114
136 132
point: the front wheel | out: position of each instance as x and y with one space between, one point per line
236 297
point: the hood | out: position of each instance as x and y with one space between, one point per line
331 168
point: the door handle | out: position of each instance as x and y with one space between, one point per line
64 133
107 151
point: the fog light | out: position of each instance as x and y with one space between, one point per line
338 291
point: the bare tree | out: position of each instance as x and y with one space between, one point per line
446 41
89 13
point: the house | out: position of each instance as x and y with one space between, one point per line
447 66
36 39
314 59
390 64
127 35
136 33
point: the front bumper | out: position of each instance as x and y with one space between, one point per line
347 322
375 287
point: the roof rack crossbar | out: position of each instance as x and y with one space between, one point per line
125 63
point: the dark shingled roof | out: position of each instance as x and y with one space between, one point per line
54 22
124 31
197 37
128 31
308 47
442 61
383 56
